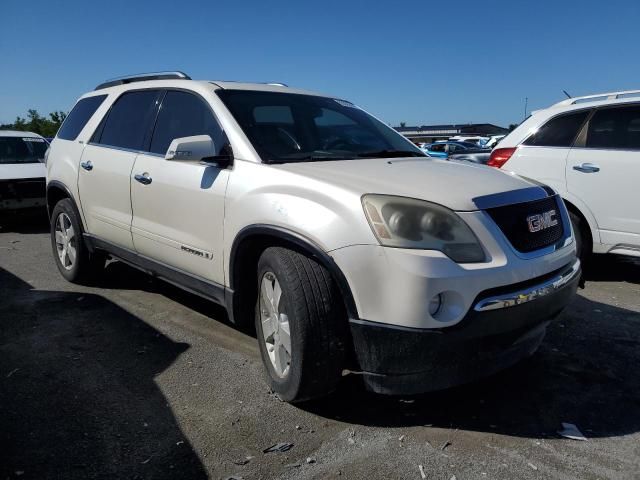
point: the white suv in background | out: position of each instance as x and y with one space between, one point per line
588 150
22 170
344 245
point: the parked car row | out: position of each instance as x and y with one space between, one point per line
340 242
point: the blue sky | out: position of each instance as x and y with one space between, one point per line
421 62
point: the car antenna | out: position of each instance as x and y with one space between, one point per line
565 92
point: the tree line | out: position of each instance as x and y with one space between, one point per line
36 123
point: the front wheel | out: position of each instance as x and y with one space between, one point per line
72 257
300 324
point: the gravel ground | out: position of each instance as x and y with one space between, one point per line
136 379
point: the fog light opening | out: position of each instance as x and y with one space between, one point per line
435 305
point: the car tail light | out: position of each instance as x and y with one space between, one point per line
499 156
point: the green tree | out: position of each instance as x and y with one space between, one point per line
47 127
403 124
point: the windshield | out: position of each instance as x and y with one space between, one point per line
22 149
286 127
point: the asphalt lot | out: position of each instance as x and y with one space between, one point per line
134 378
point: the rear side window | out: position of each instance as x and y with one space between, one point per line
79 116
183 114
128 122
616 128
559 131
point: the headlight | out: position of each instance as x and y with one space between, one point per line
410 223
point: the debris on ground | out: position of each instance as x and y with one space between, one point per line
278 447
453 477
401 438
12 372
293 465
404 400
180 442
569 430
532 466
445 445
233 477
422 473
311 460
146 461
244 461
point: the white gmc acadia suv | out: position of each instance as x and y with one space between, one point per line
588 150
347 246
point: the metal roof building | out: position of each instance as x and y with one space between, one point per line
429 133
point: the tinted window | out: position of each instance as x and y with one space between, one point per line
615 128
79 116
128 121
440 147
287 127
559 131
183 114
22 149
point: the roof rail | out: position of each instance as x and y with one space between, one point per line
141 77
598 96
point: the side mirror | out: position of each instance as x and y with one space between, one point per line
198 148
191 149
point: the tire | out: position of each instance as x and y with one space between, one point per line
583 238
311 308
80 266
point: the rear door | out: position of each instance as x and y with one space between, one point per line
603 170
105 177
178 215
543 155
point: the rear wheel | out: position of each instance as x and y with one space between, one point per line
72 257
582 236
300 324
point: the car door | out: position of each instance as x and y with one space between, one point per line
104 177
178 210
603 170
543 155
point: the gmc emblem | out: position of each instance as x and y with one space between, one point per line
542 221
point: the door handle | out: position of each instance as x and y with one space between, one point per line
587 168
144 179
88 166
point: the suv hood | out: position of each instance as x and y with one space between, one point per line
451 184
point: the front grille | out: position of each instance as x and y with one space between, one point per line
22 189
513 220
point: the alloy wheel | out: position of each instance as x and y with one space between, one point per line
275 325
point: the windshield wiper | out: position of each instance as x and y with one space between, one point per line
391 154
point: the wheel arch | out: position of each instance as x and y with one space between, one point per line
245 251
589 228
57 191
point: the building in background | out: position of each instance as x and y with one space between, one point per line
431 133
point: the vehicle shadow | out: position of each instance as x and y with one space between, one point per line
77 391
119 275
584 373
613 268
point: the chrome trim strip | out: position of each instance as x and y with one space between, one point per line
529 294
511 197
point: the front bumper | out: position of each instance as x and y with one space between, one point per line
505 325
22 193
